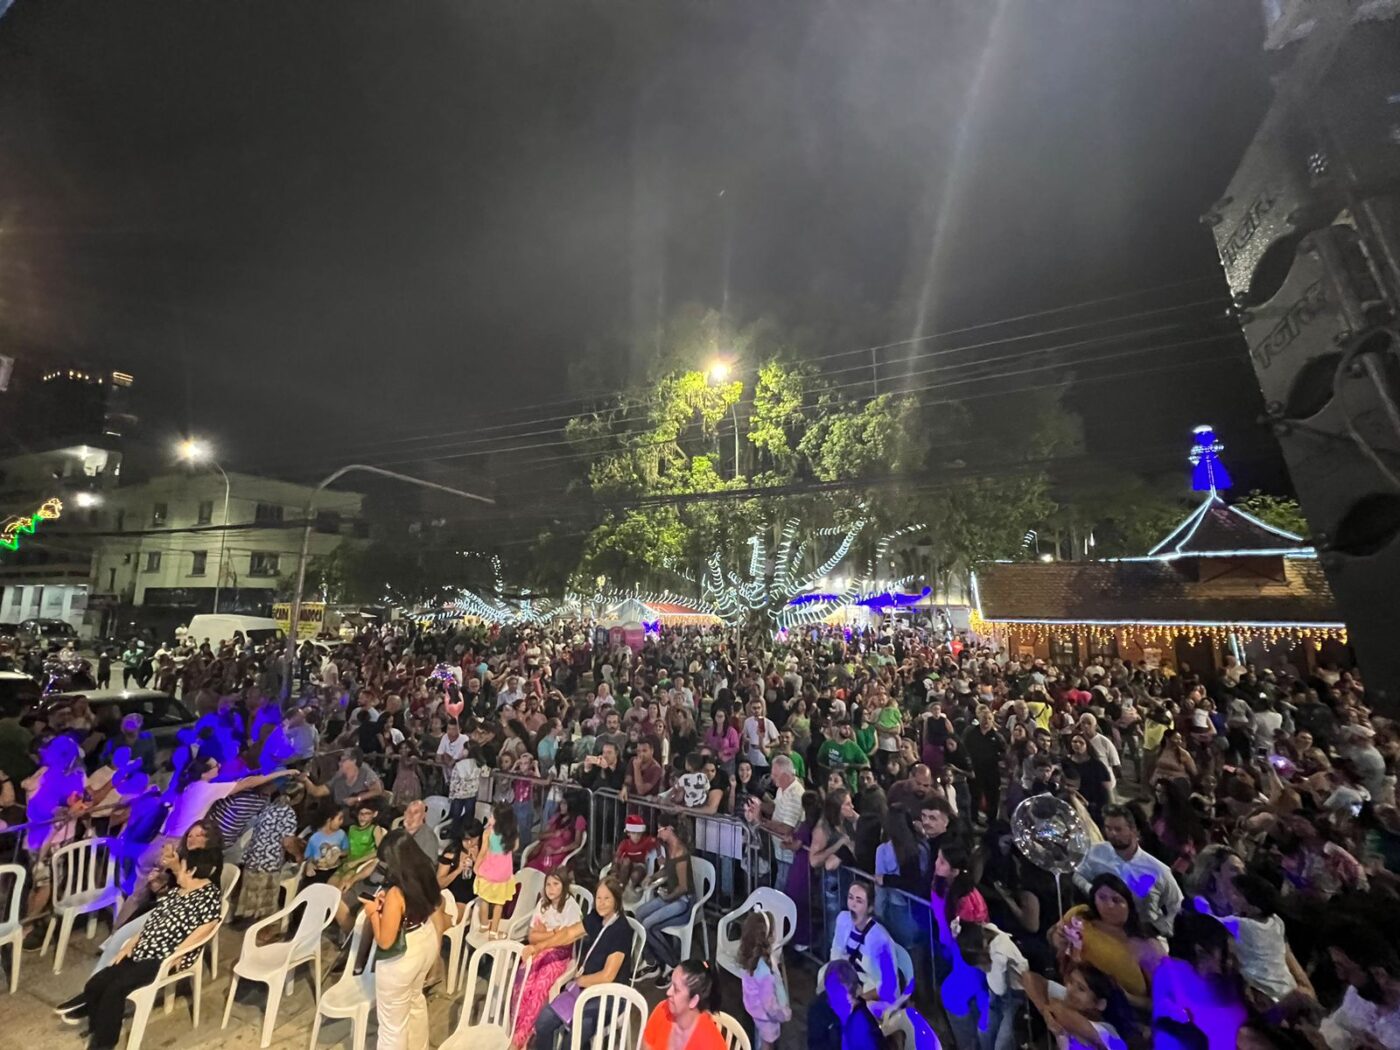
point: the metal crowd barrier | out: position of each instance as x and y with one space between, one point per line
738 850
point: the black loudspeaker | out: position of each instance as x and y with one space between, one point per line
1309 236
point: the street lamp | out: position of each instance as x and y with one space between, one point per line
719 372
194 451
294 618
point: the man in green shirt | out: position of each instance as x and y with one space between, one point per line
839 752
785 747
131 663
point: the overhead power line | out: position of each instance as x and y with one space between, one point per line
592 397
459 450
910 391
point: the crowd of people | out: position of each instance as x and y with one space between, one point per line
1239 889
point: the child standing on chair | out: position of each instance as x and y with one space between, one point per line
765 991
495 865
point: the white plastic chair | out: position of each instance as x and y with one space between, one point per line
352 996
904 969
534 847
911 1024
618 1008
781 910
167 977
735 1038
529 885
11 929
287 888
583 896
491 1028
114 944
438 808
84 883
271 964
639 947
455 934
228 881
703 873
904 966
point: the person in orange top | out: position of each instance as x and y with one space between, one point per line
682 1022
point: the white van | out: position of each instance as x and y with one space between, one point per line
220 627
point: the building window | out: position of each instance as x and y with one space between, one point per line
153 561
201 559
268 514
263 564
159 512
206 512
1064 649
327 521
121 519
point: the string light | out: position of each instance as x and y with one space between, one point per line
12 528
1161 631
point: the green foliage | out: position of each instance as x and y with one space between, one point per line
1278 511
980 477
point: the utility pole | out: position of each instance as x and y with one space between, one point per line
308 515
1308 233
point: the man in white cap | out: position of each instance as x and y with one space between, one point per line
141 745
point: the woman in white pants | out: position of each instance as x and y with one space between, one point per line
401 918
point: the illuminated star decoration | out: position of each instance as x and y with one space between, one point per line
1208 474
12 528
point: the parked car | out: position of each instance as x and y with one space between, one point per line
45 629
162 714
18 692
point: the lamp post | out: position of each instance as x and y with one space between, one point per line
295 612
719 374
193 451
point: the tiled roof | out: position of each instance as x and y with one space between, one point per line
1215 528
1143 591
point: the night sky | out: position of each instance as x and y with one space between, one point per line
309 226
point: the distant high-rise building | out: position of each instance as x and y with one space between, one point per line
65 404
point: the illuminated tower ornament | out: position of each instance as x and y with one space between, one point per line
1208 474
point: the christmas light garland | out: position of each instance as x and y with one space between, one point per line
12 528
1163 631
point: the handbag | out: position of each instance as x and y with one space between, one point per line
563 1003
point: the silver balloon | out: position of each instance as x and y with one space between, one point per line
1050 834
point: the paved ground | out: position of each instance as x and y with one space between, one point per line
27 1018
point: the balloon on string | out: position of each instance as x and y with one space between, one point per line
1050 834
453 704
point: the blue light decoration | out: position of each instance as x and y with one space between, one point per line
1208 474
874 602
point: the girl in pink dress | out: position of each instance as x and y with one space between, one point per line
554 927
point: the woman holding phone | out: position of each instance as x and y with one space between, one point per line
400 918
